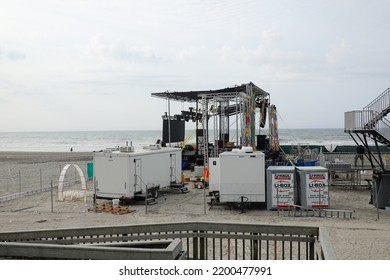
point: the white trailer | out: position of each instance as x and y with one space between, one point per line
127 173
242 176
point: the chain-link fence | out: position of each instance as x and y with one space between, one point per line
27 178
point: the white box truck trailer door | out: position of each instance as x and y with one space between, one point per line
111 175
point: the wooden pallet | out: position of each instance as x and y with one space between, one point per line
109 208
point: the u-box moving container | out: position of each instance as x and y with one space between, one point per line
280 187
313 186
126 173
242 176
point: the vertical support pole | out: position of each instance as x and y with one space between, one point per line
196 134
376 197
237 119
243 116
205 148
379 155
216 143
204 197
252 118
169 120
207 135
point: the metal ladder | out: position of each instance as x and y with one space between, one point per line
299 211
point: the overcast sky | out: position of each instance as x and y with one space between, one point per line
92 65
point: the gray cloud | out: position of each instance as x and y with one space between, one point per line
120 50
11 54
15 55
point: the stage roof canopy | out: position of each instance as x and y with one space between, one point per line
193 96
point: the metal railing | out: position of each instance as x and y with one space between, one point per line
357 120
381 103
200 240
371 114
362 120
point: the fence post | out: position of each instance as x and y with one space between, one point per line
311 249
202 255
195 245
40 177
255 248
51 195
20 182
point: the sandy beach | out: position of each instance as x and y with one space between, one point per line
363 237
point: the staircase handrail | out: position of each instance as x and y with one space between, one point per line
375 117
361 120
381 103
384 132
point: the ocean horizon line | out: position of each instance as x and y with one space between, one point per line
93 140
124 130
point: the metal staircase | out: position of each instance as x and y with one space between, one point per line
371 123
381 104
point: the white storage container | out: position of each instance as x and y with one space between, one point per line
280 187
313 186
242 175
124 174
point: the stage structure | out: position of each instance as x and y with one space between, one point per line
234 117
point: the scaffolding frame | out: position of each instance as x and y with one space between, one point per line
219 106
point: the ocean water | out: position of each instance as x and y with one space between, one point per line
86 141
